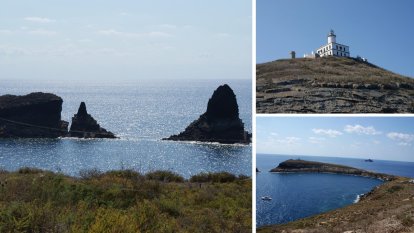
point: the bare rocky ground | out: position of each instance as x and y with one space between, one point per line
331 85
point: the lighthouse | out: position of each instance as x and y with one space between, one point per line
331 37
333 48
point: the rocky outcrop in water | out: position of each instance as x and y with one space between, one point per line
36 115
331 85
220 123
298 165
85 126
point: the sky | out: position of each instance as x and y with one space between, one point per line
128 39
384 138
380 30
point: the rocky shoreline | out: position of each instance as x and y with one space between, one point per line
38 115
386 208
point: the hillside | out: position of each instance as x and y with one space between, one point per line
33 200
331 85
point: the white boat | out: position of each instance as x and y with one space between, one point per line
266 198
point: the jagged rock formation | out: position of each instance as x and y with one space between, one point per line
220 123
331 85
85 126
298 165
36 115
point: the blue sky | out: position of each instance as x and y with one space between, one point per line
382 31
385 138
129 39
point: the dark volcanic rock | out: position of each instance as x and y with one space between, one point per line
36 115
298 166
84 126
220 123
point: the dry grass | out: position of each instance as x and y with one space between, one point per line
327 69
32 200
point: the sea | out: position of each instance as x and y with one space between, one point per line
140 113
301 195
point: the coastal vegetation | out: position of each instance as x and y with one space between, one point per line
34 200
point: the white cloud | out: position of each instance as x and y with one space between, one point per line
113 32
274 134
13 51
39 20
316 140
158 34
223 35
168 26
402 138
288 140
42 32
359 129
327 132
376 142
5 32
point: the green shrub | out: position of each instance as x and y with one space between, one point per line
217 177
394 188
165 176
29 170
90 173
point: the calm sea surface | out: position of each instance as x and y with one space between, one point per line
140 113
297 196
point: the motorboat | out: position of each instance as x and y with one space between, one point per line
266 198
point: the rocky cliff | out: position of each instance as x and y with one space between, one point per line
331 85
36 115
220 123
298 165
85 126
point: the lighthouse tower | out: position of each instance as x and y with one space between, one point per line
333 48
331 37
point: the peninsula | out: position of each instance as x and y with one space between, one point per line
386 208
298 165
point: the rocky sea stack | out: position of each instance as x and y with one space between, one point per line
220 123
36 115
85 126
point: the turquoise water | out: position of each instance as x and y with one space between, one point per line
301 195
140 113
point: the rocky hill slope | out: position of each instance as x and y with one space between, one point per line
331 85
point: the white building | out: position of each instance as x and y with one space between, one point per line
333 48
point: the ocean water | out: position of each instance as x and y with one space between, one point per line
296 196
141 114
